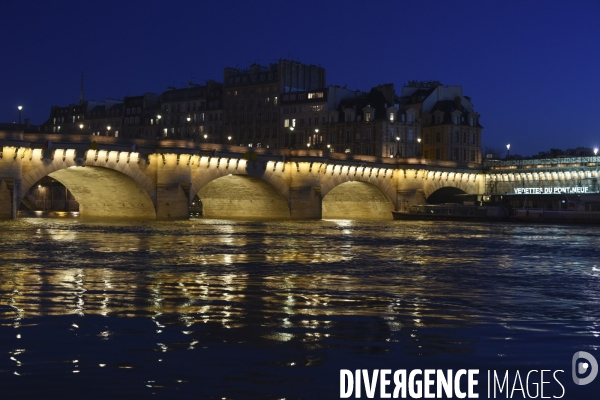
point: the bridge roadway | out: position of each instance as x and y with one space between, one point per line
158 179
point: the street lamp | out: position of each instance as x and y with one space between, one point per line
108 128
158 117
229 138
419 140
205 136
329 148
595 150
398 148
508 150
292 141
20 107
308 145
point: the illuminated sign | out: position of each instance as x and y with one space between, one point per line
553 190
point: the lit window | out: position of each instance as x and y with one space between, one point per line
367 116
275 100
391 117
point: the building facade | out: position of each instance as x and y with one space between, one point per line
443 121
252 100
306 115
193 113
287 104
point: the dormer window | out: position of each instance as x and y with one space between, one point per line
367 116
456 119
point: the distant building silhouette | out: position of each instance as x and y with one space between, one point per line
288 104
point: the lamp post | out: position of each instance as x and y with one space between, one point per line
229 140
419 141
508 150
20 107
205 136
108 130
329 148
308 145
595 150
187 127
158 117
398 148
292 142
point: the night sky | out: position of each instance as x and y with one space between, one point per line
532 68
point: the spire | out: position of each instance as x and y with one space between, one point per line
81 91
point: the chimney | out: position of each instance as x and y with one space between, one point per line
457 103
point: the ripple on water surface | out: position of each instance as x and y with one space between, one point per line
207 307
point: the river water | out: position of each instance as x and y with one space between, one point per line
271 310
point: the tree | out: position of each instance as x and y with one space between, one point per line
496 152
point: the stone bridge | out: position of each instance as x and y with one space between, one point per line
158 179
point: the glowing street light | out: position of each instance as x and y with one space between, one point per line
80 126
419 140
595 150
108 128
307 144
398 148
20 107
508 150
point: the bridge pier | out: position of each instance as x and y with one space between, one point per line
305 191
173 177
8 197
10 181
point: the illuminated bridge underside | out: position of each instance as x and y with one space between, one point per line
106 193
238 196
356 200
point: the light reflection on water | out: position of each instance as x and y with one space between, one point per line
193 306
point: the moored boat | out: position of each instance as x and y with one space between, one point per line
455 212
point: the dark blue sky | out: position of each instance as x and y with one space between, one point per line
530 67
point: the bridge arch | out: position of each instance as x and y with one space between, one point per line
356 200
238 188
446 194
449 181
242 196
103 188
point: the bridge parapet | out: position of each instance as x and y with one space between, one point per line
491 166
